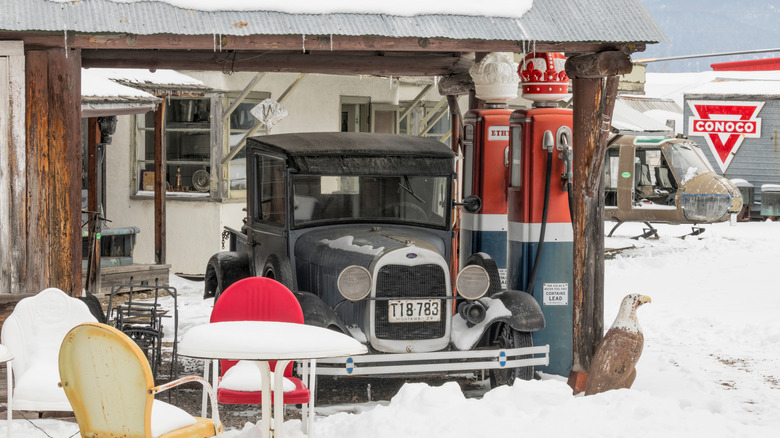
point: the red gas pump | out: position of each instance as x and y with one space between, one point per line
486 174
540 236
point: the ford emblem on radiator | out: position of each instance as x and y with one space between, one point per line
411 255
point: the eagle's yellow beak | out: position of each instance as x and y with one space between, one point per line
645 299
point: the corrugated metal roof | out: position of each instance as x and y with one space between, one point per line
644 104
614 21
629 121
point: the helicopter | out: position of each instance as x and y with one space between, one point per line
668 180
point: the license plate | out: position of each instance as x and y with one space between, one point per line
413 310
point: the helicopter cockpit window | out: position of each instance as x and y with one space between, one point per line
687 162
611 173
653 180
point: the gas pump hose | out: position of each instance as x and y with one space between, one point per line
530 288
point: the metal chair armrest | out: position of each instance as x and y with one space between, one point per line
212 396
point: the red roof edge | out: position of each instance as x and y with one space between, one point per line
750 65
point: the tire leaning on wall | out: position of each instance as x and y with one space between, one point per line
224 269
279 268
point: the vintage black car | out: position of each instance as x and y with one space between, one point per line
360 227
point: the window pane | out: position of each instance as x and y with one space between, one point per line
241 118
271 206
187 143
384 121
421 200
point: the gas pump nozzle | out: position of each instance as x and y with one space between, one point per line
567 155
548 142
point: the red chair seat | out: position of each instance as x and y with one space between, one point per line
299 395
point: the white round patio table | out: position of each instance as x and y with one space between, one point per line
265 341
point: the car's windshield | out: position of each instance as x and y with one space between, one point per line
687 161
421 200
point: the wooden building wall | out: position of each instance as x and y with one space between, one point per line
42 171
12 163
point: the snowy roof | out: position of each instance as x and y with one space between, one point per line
676 85
587 21
738 87
630 121
120 91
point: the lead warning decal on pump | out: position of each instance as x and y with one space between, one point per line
724 125
555 294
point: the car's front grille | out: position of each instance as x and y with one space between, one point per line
398 281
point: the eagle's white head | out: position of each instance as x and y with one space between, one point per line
626 317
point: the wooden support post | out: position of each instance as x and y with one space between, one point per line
595 83
13 169
455 135
93 212
36 271
65 156
160 183
53 124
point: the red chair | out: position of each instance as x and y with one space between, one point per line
257 299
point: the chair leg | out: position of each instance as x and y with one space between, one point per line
312 391
9 406
205 394
305 406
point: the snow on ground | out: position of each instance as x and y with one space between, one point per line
710 367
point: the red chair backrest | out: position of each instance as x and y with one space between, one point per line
257 299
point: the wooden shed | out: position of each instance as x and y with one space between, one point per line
45 43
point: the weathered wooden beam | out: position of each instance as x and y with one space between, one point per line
65 154
299 43
93 213
36 271
160 184
594 95
456 85
598 65
456 126
13 167
335 63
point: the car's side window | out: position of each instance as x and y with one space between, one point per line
270 194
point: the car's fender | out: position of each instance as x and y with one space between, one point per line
526 315
516 308
317 313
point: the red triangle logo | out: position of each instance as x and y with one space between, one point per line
723 149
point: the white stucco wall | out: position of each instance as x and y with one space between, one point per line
314 105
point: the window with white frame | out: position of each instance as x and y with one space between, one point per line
187 134
192 144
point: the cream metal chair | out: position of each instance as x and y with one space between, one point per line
33 334
109 383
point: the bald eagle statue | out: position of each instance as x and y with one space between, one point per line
613 365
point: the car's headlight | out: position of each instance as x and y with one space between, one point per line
472 282
354 283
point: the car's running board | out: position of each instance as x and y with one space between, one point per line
444 361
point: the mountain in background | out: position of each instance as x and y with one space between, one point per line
697 27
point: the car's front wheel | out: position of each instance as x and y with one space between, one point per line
507 337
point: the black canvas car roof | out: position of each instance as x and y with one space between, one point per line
357 153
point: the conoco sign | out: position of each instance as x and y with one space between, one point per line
724 125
